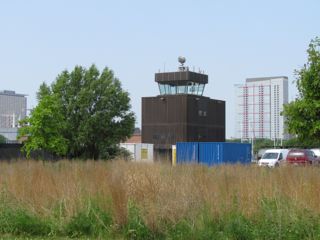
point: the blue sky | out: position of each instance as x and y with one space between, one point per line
229 40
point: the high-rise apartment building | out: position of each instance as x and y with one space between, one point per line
13 107
259 103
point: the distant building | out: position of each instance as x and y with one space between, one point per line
9 133
136 136
13 108
259 103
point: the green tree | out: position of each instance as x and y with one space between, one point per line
44 90
45 128
2 139
303 114
84 113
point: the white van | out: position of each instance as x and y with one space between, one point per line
273 157
316 152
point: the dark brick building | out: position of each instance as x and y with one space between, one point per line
180 113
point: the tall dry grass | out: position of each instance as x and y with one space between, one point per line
161 192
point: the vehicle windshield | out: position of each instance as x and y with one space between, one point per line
316 152
270 155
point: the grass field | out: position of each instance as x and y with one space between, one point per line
120 200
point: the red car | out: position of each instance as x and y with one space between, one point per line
301 156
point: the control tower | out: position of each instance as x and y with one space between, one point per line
181 113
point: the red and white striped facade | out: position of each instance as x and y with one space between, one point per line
259 103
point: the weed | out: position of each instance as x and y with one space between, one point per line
93 222
20 222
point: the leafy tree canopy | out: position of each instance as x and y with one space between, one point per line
83 114
303 114
2 139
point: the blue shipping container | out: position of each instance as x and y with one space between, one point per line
237 152
210 153
187 152
213 153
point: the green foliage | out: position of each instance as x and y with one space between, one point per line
238 227
83 114
303 114
276 219
93 222
285 220
136 228
45 127
2 139
301 143
124 154
44 90
20 222
181 230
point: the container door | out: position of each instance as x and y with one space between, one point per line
236 153
187 152
210 153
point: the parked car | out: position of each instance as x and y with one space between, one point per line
302 157
273 157
316 152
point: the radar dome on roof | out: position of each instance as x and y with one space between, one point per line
181 60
